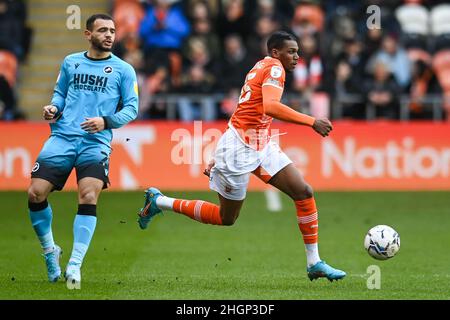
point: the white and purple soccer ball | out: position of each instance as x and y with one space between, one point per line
382 242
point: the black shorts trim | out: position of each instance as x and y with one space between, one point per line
55 176
93 170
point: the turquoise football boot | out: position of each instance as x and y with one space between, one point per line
52 262
150 208
322 270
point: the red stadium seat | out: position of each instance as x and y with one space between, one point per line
8 66
311 13
127 15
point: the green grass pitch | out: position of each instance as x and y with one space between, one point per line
260 257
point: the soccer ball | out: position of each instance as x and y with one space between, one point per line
382 242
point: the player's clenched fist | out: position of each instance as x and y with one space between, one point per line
322 127
49 112
207 170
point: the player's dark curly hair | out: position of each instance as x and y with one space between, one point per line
276 40
90 21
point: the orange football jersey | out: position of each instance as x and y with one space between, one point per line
249 119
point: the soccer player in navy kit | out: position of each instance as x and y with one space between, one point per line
95 92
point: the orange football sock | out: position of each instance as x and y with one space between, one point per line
202 211
308 220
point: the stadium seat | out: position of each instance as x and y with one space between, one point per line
8 66
311 13
413 19
440 19
128 15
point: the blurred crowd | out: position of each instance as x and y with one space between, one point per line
14 46
358 59
350 66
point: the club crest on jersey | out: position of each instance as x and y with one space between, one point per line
107 69
35 167
276 72
251 76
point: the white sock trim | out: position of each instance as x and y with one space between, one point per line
312 254
165 203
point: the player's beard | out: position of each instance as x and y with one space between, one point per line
98 45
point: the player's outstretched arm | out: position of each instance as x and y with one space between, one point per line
207 170
274 108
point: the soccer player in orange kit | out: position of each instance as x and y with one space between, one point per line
246 148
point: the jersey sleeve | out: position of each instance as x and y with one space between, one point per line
61 87
274 75
130 101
